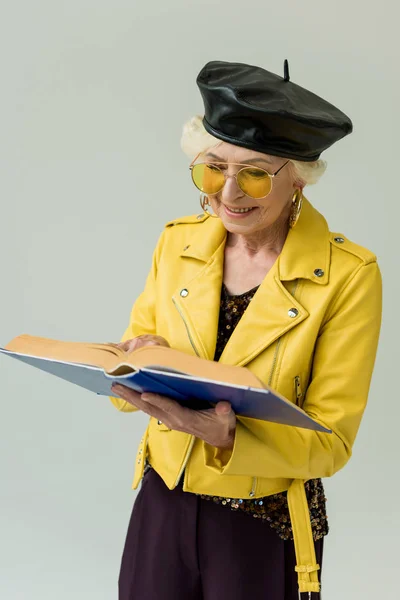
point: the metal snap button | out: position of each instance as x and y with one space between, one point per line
319 273
184 292
293 312
339 240
159 422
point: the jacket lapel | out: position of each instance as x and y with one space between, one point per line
272 312
198 301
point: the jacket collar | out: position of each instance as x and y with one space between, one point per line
305 252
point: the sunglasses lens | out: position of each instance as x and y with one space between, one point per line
254 182
208 178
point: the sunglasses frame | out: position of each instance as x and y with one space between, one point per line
244 165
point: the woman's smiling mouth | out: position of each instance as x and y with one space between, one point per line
238 212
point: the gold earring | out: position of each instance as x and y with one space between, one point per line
204 203
297 203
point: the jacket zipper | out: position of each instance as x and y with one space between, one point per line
186 326
189 450
274 361
297 390
271 375
187 456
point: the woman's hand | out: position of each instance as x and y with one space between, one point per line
216 426
143 340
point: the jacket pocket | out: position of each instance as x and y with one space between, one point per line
298 392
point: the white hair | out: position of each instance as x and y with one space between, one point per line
195 139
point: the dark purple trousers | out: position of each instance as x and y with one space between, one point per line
179 547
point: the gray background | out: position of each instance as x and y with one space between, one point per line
93 96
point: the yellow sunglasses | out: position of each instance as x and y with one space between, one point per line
253 181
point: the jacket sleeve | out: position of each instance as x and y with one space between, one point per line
143 315
336 396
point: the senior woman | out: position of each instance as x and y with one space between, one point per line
231 507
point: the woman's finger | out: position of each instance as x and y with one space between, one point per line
180 416
129 345
136 399
126 393
223 408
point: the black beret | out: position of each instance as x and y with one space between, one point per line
251 107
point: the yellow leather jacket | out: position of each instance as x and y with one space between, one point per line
310 332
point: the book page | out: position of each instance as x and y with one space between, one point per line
105 356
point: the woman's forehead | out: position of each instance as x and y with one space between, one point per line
229 153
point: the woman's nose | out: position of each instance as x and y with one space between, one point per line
230 189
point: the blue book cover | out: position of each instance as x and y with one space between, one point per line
193 392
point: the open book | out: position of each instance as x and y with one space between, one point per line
192 381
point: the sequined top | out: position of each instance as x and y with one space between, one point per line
270 509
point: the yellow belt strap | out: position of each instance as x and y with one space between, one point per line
307 567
